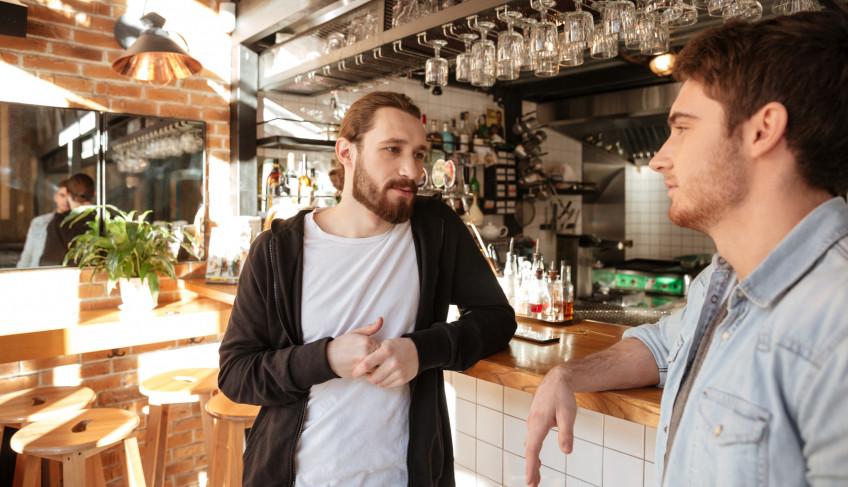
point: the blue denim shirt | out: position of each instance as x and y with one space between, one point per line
770 404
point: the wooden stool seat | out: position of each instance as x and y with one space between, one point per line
76 439
20 408
162 390
232 419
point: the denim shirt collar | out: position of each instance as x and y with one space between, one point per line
795 254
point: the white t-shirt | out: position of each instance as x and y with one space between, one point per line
356 433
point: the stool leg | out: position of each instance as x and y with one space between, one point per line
157 443
54 472
132 463
73 470
31 471
234 461
208 424
94 471
218 462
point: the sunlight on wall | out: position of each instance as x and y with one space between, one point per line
220 184
67 375
29 89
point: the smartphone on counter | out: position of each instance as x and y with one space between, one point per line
535 336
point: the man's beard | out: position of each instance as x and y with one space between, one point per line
722 186
376 199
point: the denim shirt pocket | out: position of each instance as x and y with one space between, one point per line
675 348
732 434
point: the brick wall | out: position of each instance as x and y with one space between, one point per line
65 61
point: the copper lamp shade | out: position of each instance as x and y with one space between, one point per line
155 57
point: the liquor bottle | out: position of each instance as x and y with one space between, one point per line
509 278
455 134
474 185
447 138
568 293
434 137
272 182
463 136
469 130
539 298
304 186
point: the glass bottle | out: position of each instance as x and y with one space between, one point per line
447 138
434 137
463 136
509 279
539 298
474 185
272 183
304 187
568 292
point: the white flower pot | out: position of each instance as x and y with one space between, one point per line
135 294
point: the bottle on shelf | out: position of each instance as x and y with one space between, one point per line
304 187
272 183
463 136
447 138
539 298
568 292
474 184
509 278
469 131
434 137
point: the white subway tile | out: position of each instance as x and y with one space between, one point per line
490 395
650 474
575 482
650 444
550 455
465 451
486 482
490 426
589 426
464 477
586 462
622 470
513 470
514 433
517 403
466 417
465 386
489 461
624 436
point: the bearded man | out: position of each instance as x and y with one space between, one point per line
339 325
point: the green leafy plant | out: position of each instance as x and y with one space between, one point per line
130 246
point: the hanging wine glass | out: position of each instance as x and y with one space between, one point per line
463 60
545 41
510 47
528 63
436 69
483 54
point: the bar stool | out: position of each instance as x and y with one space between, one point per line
76 439
20 408
231 419
162 390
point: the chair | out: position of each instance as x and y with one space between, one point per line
231 419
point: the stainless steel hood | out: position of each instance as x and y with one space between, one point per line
630 124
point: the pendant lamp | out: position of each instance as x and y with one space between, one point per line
154 56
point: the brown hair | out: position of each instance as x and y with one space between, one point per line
800 61
359 119
80 187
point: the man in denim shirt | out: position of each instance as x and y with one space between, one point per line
755 368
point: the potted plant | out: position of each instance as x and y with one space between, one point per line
131 250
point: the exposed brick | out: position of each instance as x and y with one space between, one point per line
92 291
182 466
88 7
197 84
50 31
134 106
73 84
77 52
119 396
110 457
188 424
217 128
189 450
165 94
203 100
112 89
90 103
104 354
94 369
96 39
99 304
102 73
212 114
105 383
101 24
51 14
186 480
18 383
7 57
10 369
124 364
19 44
50 64
180 111
48 363
179 439
221 155
151 347
181 411
85 274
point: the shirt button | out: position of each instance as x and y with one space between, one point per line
740 293
725 335
665 429
717 430
714 299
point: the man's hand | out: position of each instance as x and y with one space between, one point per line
346 352
553 405
395 363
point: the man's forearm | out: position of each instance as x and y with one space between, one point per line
627 364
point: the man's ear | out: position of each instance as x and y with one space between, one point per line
345 152
767 129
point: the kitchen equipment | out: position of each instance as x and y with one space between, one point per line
653 276
491 232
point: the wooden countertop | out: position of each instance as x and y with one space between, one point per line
44 334
523 364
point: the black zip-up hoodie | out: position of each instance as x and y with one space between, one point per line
264 361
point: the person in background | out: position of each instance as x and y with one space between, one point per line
37 232
80 189
754 367
339 328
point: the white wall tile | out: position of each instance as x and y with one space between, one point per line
622 470
624 436
465 451
586 462
575 482
466 417
464 477
550 455
489 461
514 433
517 403
513 470
551 478
650 444
490 395
589 426
486 482
650 474
465 386
490 426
